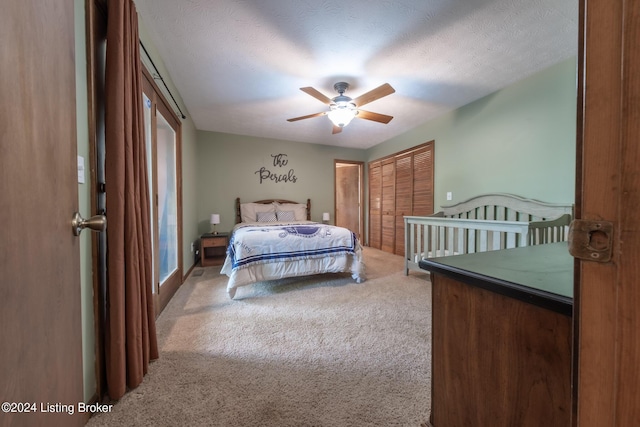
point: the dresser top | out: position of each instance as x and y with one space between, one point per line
541 275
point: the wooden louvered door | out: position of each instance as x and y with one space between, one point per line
388 206
403 202
399 185
422 191
375 204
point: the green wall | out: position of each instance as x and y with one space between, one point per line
227 166
518 140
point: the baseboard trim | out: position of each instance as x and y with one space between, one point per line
186 275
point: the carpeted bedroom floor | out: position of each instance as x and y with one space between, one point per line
316 351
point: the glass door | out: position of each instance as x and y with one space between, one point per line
167 203
162 135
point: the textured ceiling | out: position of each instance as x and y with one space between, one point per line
239 64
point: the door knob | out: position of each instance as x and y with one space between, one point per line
96 223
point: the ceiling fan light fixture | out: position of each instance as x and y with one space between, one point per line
342 113
343 109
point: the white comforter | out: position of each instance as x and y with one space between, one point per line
259 252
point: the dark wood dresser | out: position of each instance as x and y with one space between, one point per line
501 350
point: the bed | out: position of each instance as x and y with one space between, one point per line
275 239
484 223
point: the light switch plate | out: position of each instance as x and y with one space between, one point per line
80 170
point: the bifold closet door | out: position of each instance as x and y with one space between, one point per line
403 199
422 181
375 204
388 206
399 185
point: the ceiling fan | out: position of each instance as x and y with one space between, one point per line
343 109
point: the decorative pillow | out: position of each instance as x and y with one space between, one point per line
299 210
266 217
286 216
249 211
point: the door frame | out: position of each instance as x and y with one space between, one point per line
606 373
171 285
96 33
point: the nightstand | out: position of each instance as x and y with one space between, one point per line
213 249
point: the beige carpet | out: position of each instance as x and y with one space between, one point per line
317 351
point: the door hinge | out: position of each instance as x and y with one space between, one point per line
591 240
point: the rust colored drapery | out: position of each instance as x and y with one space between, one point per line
130 333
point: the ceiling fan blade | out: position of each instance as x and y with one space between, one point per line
316 94
376 117
295 119
336 129
374 94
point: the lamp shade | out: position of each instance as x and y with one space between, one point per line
326 216
215 219
342 113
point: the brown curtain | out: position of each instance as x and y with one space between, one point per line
130 332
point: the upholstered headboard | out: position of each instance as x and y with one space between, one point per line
269 201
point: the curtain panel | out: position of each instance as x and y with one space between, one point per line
130 333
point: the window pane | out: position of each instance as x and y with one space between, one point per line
167 198
149 148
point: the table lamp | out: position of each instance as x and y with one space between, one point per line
215 219
325 217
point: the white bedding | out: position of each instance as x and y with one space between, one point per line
260 251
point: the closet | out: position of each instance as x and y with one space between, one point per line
400 184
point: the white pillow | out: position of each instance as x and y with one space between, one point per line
299 210
249 211
286 216
266 217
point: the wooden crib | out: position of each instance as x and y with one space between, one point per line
484 223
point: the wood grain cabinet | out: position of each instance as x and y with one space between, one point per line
213 249
501 349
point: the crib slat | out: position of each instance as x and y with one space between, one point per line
459 241
483 241
411 250
425 241
434 240
441 241
471 244
496 240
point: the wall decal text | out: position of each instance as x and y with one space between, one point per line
279 161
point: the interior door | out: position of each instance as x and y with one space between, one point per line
375 204
348 195
423 180
388 206
40 312
403 197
